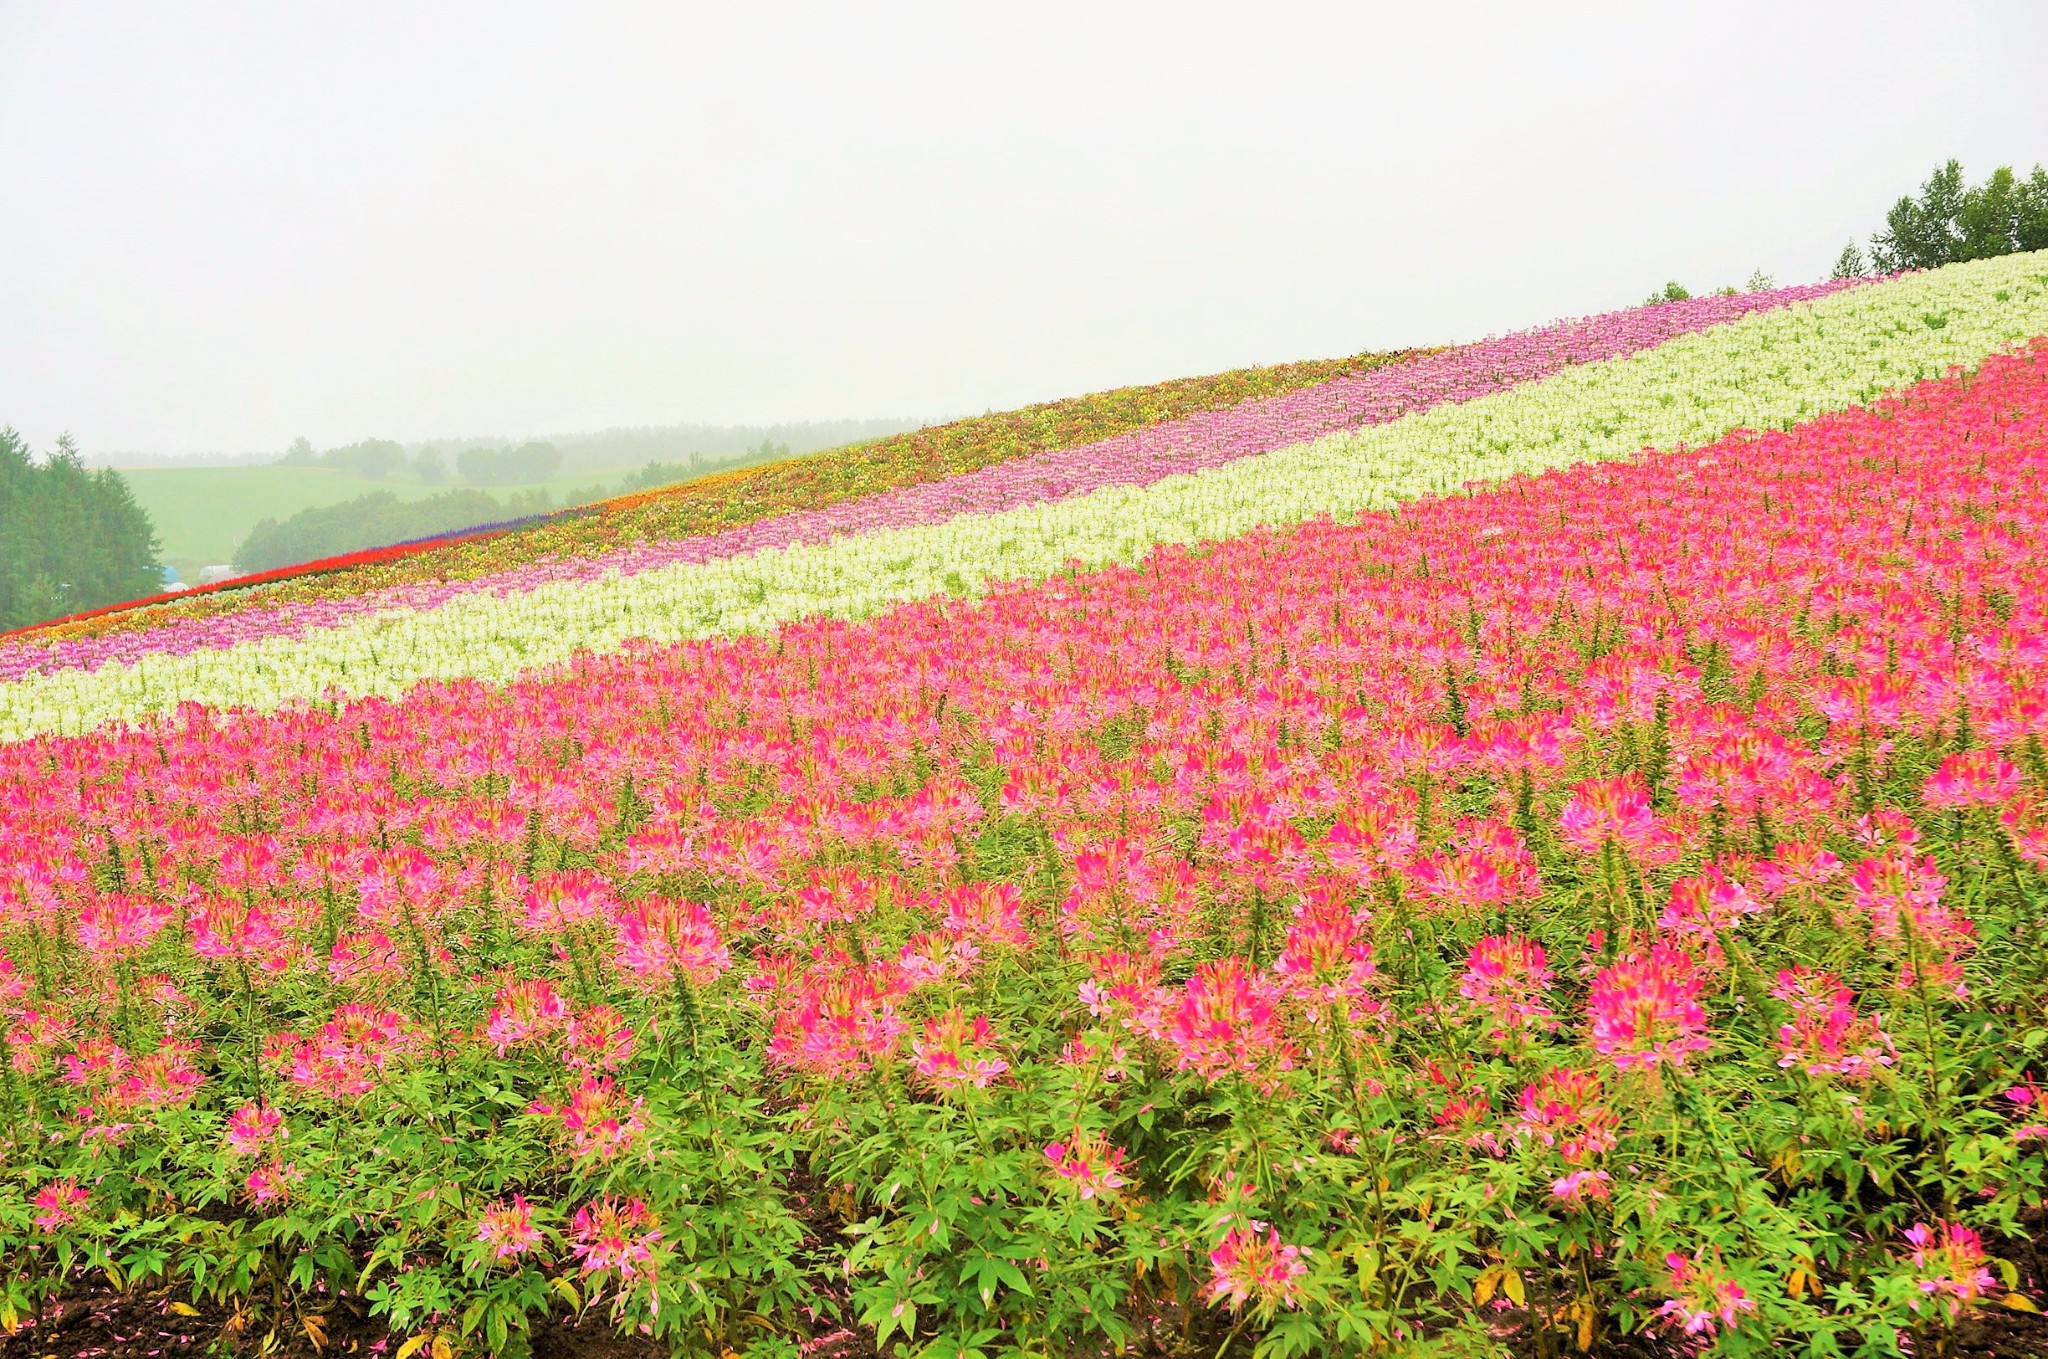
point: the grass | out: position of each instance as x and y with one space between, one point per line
203 513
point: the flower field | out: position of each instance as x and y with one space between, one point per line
1128 436
725 500
1557 864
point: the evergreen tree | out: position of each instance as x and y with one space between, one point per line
70 538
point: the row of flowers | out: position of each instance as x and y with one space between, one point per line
694 523
1611 901
722 500
1769 368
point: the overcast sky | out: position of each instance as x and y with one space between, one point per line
223 226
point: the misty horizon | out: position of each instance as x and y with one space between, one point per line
231 228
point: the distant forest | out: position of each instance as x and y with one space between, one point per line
382 519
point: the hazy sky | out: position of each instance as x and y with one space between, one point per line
222 226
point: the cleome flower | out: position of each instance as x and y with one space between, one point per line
1644 1011
507 1227
1705 1297
1252 1264
613 1235
1088 1163
954 1052
1225 1024
1949 1265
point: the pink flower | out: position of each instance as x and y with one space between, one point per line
659 939
1826 1036
525 1011
1904 900
598 1039
1645 1010
1252 1264
121 925
987 913
1506 978
163 1079
1089 1163
57 1203
14 983
1563 1110
1492 866
508 1228
1797 866
837 1024
1327 958
1705 1294
1707 906
2025 820
953 1052
1615 811
608 1234
1950 1264
347 1055
1224 1024
596 1119
251 1128
1974 778
271 1182
562 901
1582 1187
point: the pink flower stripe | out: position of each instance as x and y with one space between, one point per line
1139 458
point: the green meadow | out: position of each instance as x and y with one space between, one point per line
203 513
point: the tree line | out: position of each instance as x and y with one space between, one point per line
382 459
71 537
1951 223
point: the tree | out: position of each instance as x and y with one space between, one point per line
1760 282
430 466
372 458
2030 212
1984 221
70 538
1673 291
301 453
1849 264
375 520
1922 233
529 462
1950 222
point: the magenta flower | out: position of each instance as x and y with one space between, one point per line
1252 1264
1949 1264
507 1227
596 1119
1582 1187
525 1011
1826 1036
1226 1024
1506 980
1089 1163
252 1127
1705 1296
955 1052
1974 778
1615 812
613 1234
57 1204
271 1182
1645 1010
659 939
